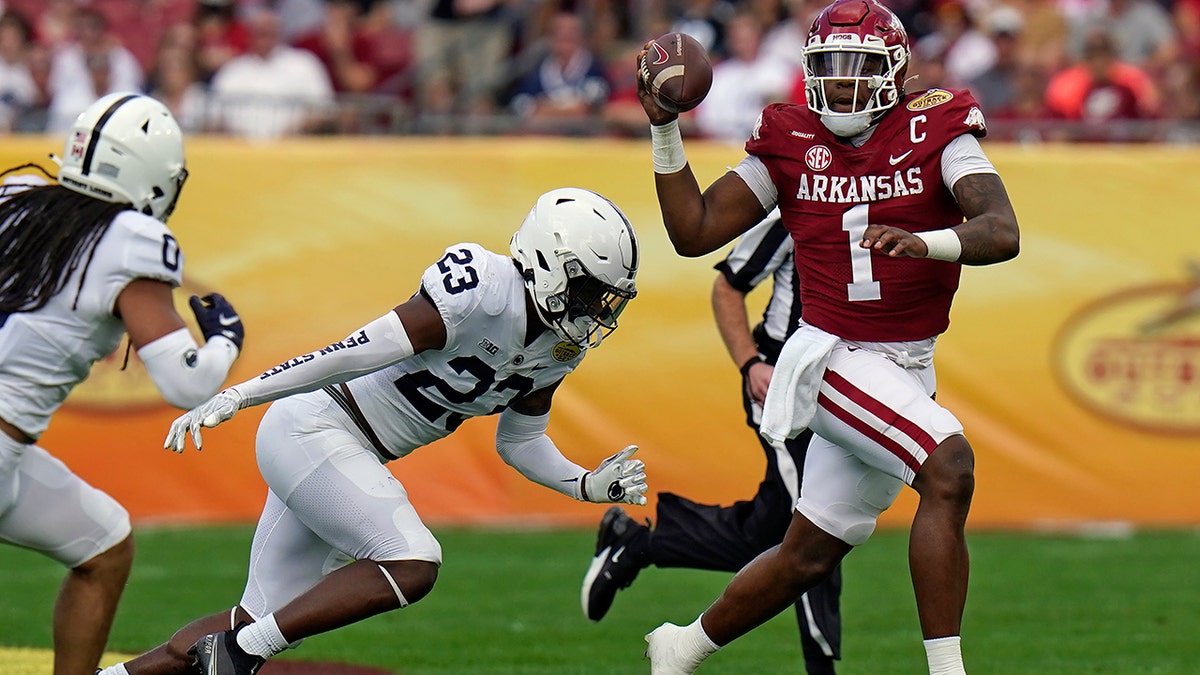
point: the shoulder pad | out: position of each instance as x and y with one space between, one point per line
951 108
468 277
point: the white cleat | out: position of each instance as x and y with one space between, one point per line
665 649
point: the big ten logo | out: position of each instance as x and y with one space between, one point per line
1134 357
119 382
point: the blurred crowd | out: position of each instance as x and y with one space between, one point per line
1042 69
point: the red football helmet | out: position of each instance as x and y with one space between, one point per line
854 47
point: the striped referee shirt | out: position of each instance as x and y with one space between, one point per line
766 250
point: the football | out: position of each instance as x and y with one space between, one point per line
677 72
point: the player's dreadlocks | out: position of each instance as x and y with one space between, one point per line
46 231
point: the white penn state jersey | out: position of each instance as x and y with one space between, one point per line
483 367
46 352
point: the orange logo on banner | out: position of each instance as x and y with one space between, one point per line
111 388
1134 357
114 386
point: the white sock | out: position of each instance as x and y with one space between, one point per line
945 656
262 638
696 641
118 669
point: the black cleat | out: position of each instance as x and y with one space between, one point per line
220 654
621 552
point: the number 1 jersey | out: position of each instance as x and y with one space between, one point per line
829 192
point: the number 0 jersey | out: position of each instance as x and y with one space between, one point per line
483 367
46 352
829 192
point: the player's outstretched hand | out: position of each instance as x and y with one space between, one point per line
894 241
617 479
209 414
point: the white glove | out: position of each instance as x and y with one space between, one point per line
208 414
617 479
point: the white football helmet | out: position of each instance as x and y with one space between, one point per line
856 49
126 148
579 256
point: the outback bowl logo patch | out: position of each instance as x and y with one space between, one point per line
818 158
930 99
565 351
1134 357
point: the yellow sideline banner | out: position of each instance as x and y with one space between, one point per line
1075 368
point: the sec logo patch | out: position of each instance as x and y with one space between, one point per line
818 158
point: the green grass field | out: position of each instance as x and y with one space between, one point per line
508 603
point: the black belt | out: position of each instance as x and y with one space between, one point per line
340 393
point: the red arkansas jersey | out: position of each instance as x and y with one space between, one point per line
830 191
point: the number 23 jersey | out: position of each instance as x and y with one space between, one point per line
484 365
829 192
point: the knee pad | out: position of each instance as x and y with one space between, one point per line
854 522
843 521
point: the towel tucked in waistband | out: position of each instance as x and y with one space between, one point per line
792 397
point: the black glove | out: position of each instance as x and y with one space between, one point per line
217 317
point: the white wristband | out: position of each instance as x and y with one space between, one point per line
942 244
667 147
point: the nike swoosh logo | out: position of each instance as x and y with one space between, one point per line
538 366
228 320
896 160
616 557
660 54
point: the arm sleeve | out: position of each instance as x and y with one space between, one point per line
522 442
964 156
186 375
376 345
754 172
